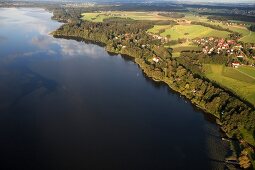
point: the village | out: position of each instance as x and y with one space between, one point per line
211 46
220 46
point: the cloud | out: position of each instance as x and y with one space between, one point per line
39 24
42 42
72 48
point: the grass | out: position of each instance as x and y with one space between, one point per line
247 36
188 31
247 135
176 31
157 28
250 38
237 75
100 16
187 46
247 70
238 82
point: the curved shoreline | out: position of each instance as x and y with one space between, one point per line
153 78
170 84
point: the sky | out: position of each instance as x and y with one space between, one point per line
189 1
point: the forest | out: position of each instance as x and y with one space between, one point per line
230 16
172 15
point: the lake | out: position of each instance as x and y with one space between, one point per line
66 104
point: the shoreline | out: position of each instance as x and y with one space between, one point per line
136 60
195 103
171 85
153 78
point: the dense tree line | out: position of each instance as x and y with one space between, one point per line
218 18
231 16
172 15
67 14
252 28
216 27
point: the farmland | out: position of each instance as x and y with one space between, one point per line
100 16
178 48
249 38
246 35
184 30
247 70
241 81
188 31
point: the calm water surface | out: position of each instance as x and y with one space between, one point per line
70 105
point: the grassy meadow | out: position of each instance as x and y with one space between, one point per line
247 36
183 30
100 16
250 71
188 31
178 48
241 81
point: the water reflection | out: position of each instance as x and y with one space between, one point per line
73 48
2 38
38 33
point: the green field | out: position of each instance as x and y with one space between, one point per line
247 136
157 28
188 31
178 48
178 31
247 36
241 81
100 16
247 70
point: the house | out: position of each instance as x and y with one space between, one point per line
211 39
240 56
159 37
235 64
238 46
155 59
231 42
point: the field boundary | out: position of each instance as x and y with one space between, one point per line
246 74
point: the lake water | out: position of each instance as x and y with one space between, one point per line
70 105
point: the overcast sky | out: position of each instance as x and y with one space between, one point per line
216 1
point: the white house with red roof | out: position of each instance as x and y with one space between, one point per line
236 64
